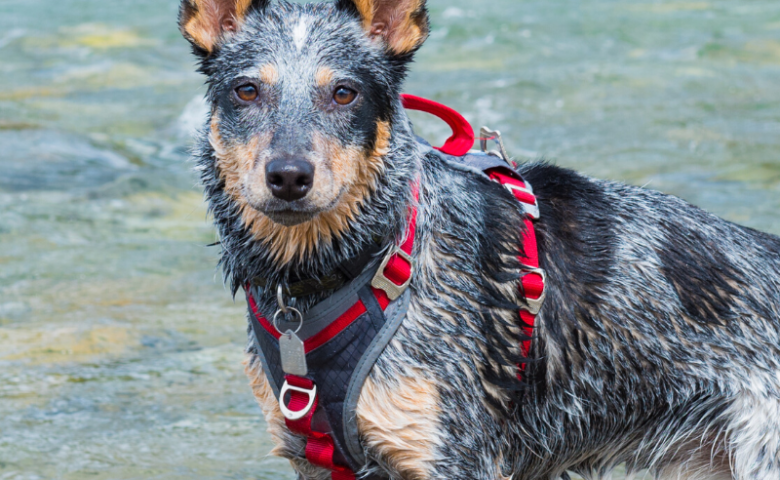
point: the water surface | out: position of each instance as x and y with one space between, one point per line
120 351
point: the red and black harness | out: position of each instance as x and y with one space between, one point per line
343 336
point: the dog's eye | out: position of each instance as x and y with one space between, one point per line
344 96
247 93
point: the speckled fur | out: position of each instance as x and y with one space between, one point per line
658 345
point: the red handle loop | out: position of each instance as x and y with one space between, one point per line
462 139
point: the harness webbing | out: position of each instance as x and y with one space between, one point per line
331 330
320 447
304 414
532 282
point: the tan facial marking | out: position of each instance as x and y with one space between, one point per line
399 420
354 177
269 74
324 76
236 161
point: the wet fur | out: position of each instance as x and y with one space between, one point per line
658 345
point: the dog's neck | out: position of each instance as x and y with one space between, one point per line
382 217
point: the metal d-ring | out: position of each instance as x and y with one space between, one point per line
289 309
289 414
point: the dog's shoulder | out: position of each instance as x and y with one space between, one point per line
601 238
466 204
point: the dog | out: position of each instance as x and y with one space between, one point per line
658 343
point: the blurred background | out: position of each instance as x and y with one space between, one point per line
120 350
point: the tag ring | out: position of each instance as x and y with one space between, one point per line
289 310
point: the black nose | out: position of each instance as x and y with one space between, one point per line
289 180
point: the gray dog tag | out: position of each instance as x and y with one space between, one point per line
293 354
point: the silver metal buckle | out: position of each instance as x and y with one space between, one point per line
534 305
381 282
531 210
485 133
289 414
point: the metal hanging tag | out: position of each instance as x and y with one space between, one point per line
293 354
291 347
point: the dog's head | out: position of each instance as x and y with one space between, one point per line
302 100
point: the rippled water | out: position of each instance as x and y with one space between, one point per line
120 350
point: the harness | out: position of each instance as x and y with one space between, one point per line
317 365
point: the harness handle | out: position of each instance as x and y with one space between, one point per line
462 139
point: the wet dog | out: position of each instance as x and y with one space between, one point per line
658 345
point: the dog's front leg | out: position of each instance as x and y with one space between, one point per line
402 427
398 420
408 431
288 445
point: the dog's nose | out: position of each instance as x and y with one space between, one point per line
289 180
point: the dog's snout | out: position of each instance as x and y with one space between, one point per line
289 180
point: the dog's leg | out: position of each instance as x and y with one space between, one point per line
697 460
398 420
401 418
754 434
288 445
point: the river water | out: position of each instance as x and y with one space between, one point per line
120 350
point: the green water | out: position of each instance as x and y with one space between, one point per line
120 351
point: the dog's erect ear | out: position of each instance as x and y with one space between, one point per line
402 24
205 22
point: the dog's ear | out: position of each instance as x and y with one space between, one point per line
401 24
205 22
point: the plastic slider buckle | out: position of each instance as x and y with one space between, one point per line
380 280
532 210
534 305
289 414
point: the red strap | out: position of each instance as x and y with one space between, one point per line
322 337
342 475
462 139
327 334
320 447
399 269
299 401
532 283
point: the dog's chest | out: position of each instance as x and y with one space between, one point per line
375 352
